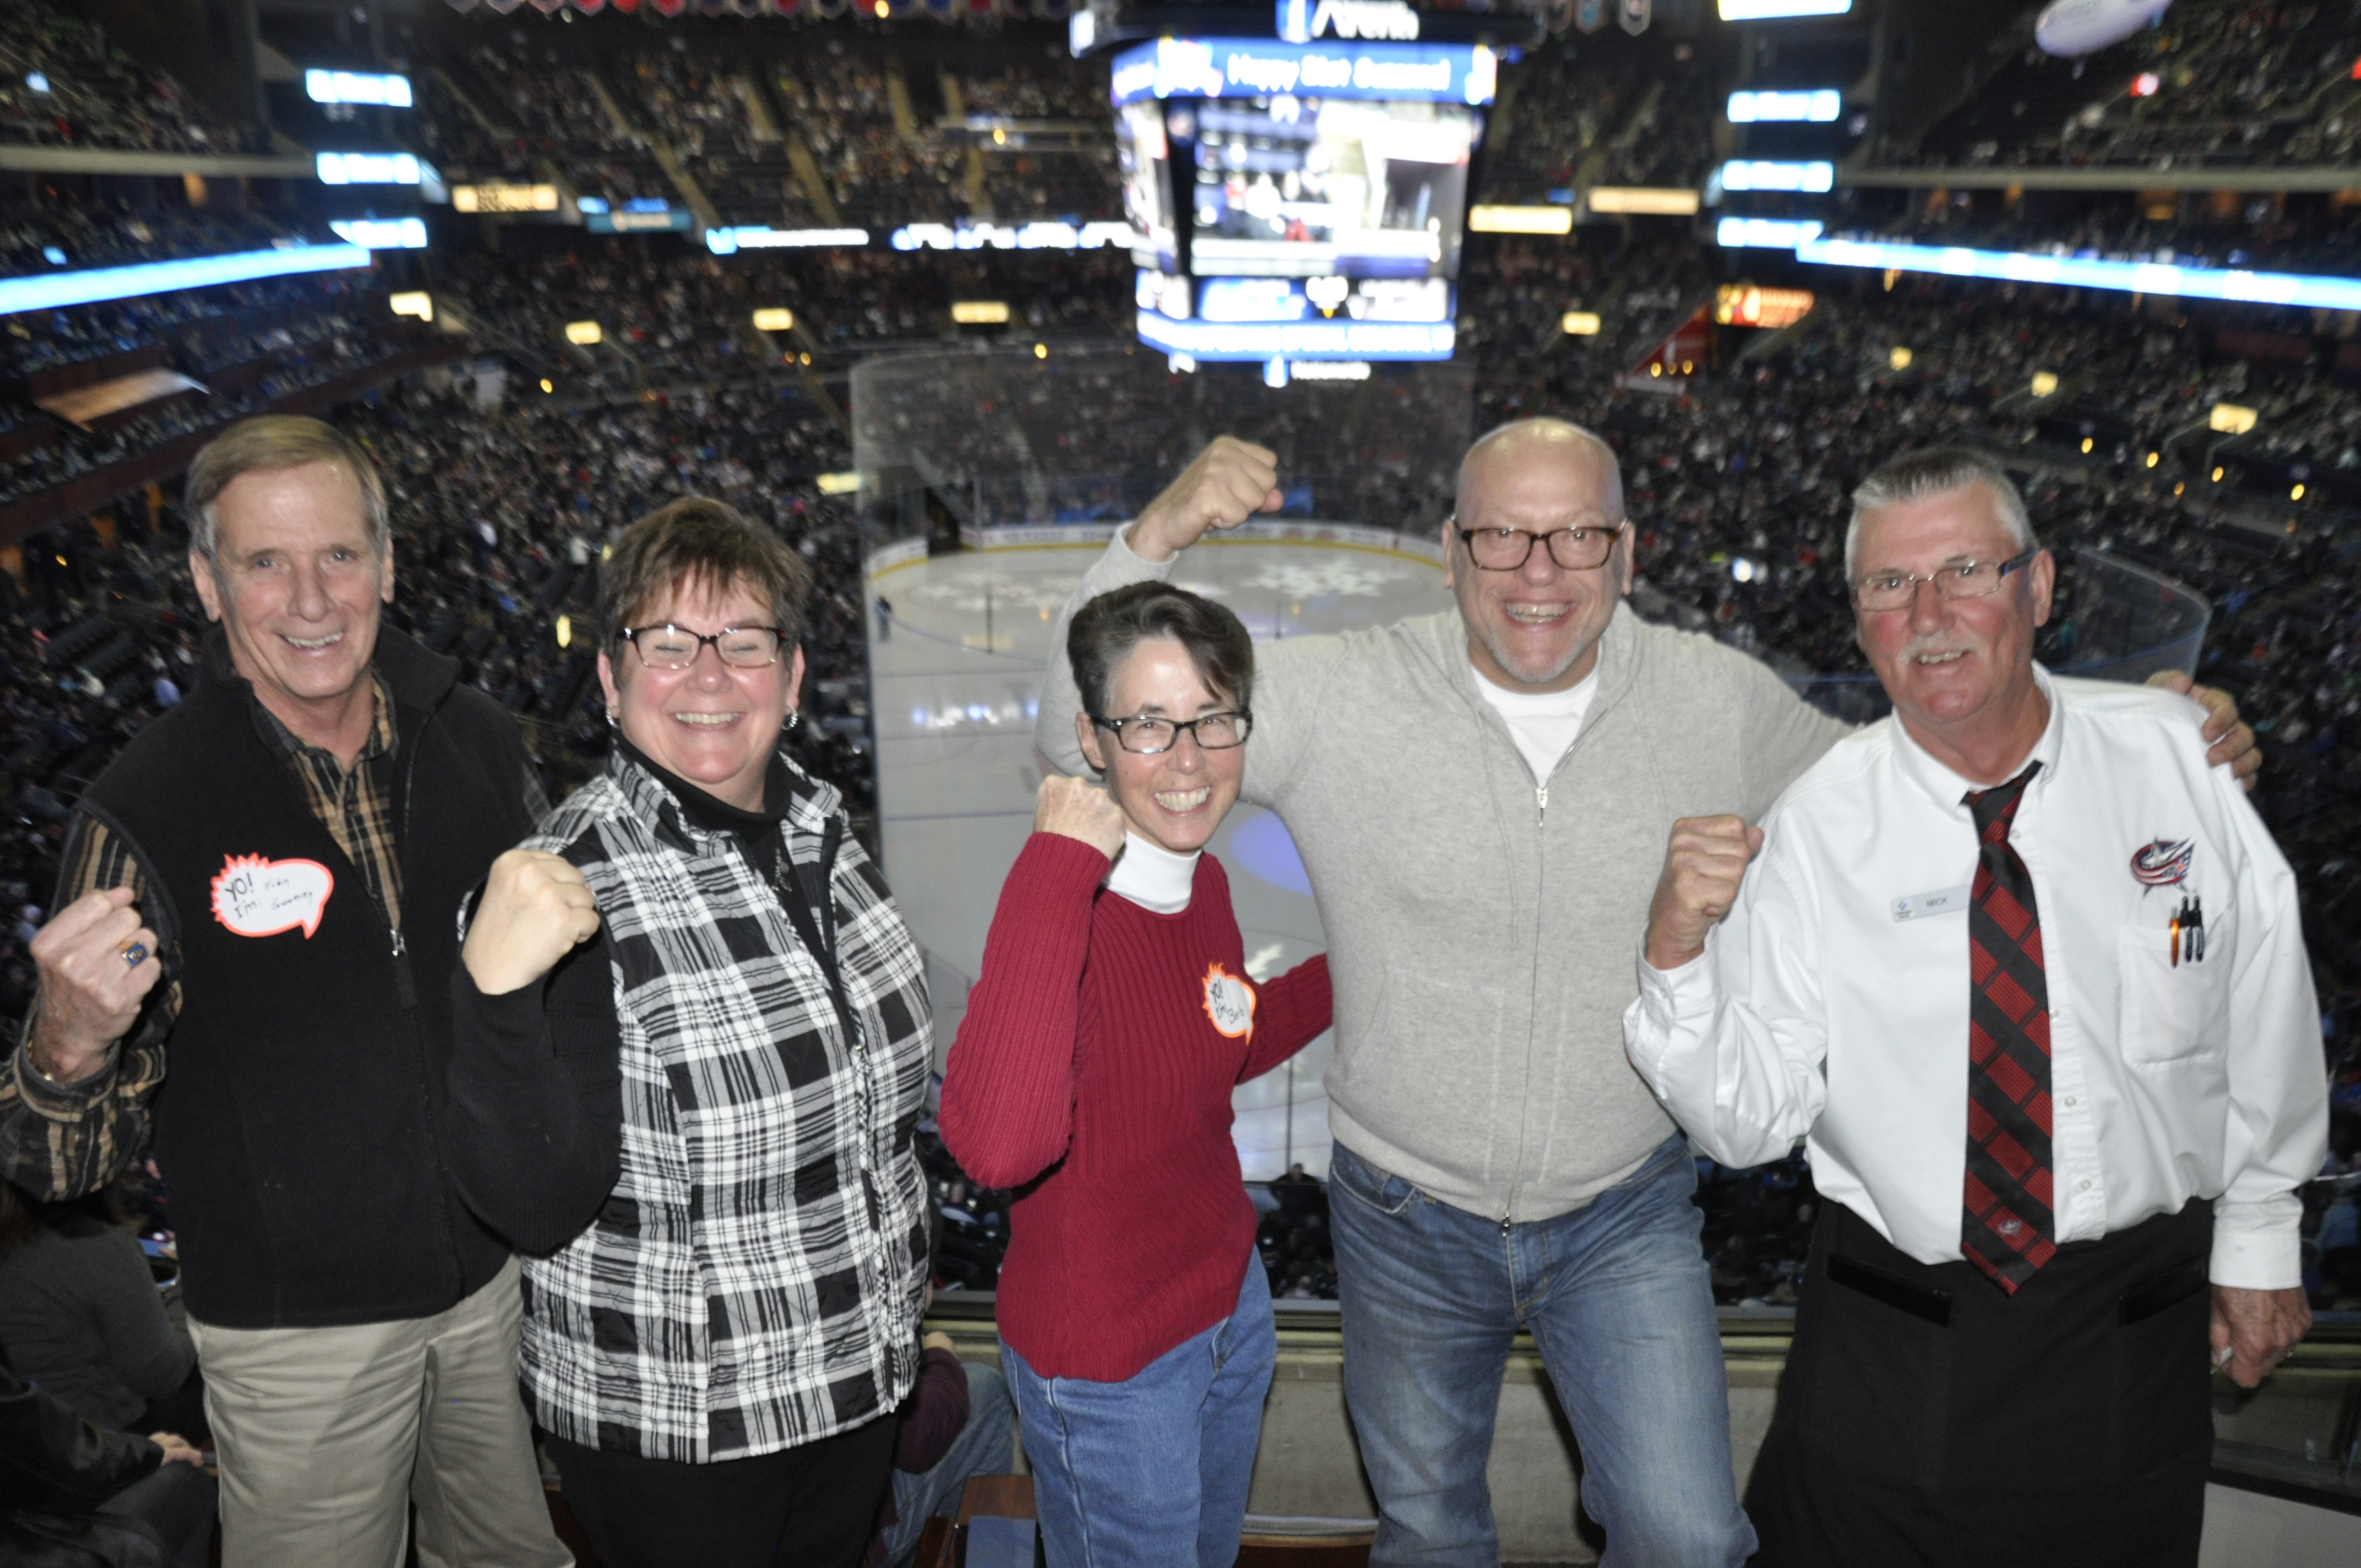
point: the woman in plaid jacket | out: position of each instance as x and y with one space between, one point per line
695 1035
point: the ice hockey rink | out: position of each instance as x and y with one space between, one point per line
955 665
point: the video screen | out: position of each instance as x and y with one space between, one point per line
1288 187
1146 184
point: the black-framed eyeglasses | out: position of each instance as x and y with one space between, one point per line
1580 549
1956 580
670 647
1147 736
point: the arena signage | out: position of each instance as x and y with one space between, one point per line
1298 340
1262 68
2233 284
1301 21
504 198
1045 236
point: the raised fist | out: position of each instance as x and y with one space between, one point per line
1230 481
1704 864
1080 810
97 962
536 909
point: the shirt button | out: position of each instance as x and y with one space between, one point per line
2084 1185
2071 1100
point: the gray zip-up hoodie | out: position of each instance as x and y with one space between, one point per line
1482 929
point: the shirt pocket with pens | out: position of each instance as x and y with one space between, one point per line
2173 965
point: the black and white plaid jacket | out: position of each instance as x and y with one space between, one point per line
755 1281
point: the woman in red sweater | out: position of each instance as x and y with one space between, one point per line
1092 1074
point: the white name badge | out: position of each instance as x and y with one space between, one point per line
1945 901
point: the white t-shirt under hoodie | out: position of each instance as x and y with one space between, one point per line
1544 724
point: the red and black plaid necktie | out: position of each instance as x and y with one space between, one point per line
2009 1229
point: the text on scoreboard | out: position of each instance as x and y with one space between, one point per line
1264 67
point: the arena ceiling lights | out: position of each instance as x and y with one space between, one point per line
389 92
1764 108
1521 220
382 234
1772 10
2237 285
1649 200
54 291
1045 236
1773 234
1768 174
730 241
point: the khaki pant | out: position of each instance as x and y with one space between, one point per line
326 1436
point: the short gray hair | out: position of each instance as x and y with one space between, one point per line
274 442
1937 470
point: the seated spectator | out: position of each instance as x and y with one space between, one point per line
81 1316
76 1495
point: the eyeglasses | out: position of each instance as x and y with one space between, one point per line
670 647
1507 549
1958 580
1147 737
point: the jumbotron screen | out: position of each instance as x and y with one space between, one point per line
1299 200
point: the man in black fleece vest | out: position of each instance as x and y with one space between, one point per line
264 885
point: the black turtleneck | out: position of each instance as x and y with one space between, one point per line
757 832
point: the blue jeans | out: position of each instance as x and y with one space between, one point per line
1152 1472
1617 1295
986 1445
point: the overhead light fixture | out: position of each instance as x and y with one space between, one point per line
1899 358
2045 383
1817 106
583 332
416 303
2231 419
1521 220
774 319
1642 200
1579 323
980 313
842 484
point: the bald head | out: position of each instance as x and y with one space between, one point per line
1554 445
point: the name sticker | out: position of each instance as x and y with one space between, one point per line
258 897
1944 901
1229 1003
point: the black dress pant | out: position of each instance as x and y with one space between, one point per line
1926 1418
813 1506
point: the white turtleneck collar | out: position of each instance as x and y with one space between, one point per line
1152 876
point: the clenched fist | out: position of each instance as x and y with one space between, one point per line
536 909
1703 866
1230 481
1080 810
97 962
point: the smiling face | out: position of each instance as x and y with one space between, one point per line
1960 671
297 585
1537 628
713 724
1176 798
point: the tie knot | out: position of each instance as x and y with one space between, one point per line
1995 808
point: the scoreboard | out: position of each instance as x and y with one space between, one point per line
1299 200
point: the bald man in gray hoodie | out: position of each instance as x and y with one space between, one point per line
1481 799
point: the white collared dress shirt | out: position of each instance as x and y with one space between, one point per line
1832 1003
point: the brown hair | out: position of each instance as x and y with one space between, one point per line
697 541
269 442
1105 632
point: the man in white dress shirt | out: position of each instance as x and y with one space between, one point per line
2027 974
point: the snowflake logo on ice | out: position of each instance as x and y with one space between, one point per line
1341 579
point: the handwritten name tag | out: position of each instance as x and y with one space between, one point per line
1945 901
258 897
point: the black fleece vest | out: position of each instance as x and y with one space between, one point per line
299 1121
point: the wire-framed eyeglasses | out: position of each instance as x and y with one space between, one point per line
1580 549
1953 580
670 647
1148 735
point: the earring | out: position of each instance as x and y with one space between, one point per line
610 722
795 717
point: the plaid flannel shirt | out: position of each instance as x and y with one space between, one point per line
754 1282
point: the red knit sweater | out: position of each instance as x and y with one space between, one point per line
1092 1066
